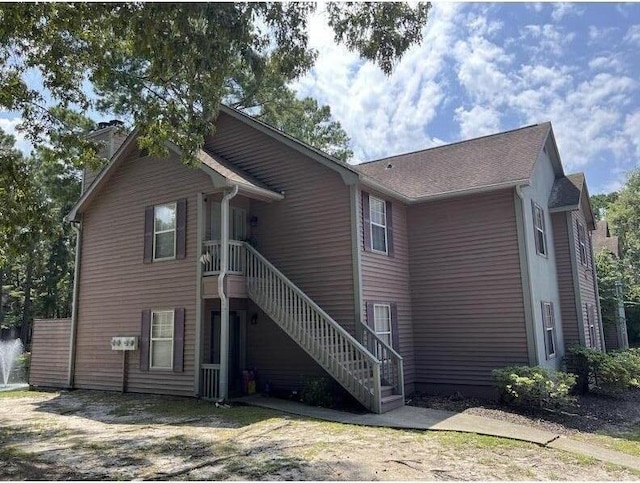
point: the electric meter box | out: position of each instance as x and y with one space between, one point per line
124 343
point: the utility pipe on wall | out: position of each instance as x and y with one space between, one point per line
77 227
224 300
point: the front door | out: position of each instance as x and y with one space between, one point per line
237 222
237 331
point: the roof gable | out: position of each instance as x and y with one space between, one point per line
570 193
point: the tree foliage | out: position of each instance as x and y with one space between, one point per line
623 214
166 69
600 204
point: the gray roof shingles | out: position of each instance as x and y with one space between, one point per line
498 159
566 192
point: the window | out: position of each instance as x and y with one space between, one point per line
161 350
582 244
549 329
538 224
164 231
378 215
382 322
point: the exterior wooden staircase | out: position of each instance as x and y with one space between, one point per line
370 371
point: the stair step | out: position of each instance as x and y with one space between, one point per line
392 402
386 391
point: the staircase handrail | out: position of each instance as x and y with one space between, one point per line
373 359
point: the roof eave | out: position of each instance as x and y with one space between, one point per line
560 209
473 191
372 183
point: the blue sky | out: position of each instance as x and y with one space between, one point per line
488 67
484 68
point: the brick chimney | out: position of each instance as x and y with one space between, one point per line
112 135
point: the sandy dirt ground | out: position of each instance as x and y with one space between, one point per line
95 435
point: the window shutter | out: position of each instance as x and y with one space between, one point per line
389 214
148 234
145 332
181 228
395 334
535 231
178 340
366 221
544 328
370 321
552 323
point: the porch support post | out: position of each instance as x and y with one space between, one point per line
198 344
224 300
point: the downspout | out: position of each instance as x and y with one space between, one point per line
527 294
224 300
77 227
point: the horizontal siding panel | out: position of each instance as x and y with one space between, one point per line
115 284
50 353
386 279
466 288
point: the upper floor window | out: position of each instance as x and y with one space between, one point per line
539 230
582 243
164 231
378 217
161 348
382 322
549 325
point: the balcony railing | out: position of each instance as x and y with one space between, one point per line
211 257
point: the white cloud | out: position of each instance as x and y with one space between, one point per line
609 62
561 10
632 130
9 126
551 39
633 35
477 121
383 115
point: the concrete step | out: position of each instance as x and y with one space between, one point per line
392 402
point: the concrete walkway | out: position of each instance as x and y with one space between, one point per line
409 417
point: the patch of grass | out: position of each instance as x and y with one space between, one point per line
24 394
261 468
613 467
479 441
575 458
187 408
628 443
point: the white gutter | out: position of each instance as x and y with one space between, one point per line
77 227
372 183
224 300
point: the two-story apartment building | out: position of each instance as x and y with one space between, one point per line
422 271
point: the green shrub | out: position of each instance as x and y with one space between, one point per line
317 392
610 374
534 386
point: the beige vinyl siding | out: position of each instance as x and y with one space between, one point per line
50 353
386 279
307 235
585 277
277 359
115 284
561 241
466 289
